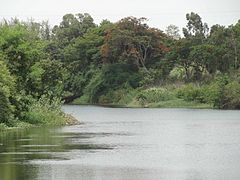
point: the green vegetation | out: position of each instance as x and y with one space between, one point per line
222 92
6 89
141 66
46 111
126 63
27 75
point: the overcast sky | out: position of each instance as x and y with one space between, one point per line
160 13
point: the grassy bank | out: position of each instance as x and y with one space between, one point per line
157 97
177 103
221 92
68 120
44 111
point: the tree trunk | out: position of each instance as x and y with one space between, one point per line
235 51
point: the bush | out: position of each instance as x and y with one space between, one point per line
7 87
178 73
5 108
216 91
191 92
21 103
223 92
110 78
112 97
128 96
154 95
150 77
231 96
2 127
45 111
93 90
117 96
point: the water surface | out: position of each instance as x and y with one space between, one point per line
131 144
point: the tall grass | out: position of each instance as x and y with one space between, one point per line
46 111
157 94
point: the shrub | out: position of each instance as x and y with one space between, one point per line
7 87
118 96
94 88
21 103
141 98
178 73
5 108
223 93
110 78
128 96
154 95
231 96
2 127
191 92
217 94
45 111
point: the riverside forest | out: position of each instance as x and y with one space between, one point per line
126 64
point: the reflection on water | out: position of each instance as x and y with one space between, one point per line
129 144
19 148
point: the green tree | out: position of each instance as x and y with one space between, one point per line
47 77
195 27
72 26
179 54
203 59
173 32
227 42
7 88
21 48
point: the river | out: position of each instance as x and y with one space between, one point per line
127 144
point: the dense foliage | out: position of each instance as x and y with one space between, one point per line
124 63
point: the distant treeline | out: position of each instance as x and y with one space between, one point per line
79 58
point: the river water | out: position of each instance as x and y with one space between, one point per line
127 144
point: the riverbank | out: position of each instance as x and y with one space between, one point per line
42 112
219 93
185 96
165 104
69 120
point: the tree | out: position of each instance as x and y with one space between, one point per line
5 108
85 50
195 27
226 39
21 48
235 33
173 32
7 88
45 31
47 77
203 59
180 55
131 40
82 56
72 26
